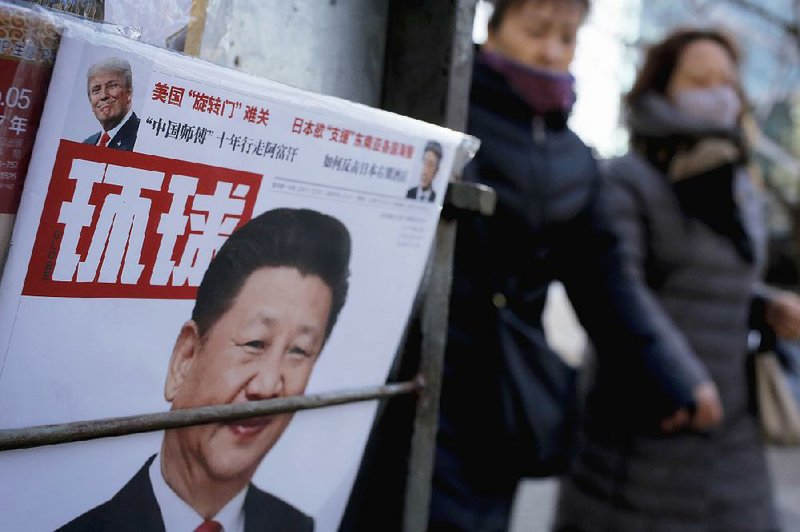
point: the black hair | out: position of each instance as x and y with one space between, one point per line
435 147
501 7
312 242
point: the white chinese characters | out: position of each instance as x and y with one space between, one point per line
119 233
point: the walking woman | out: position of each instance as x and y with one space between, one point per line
689 219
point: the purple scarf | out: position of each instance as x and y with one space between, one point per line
543 90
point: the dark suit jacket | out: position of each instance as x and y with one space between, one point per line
411 194
125 137
134 509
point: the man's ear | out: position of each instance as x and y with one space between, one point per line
183 356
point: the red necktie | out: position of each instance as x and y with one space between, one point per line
104 139
209 526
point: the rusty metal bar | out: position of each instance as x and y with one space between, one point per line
27 437
21 438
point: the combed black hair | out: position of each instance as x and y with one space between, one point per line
501 7
312 242
434 147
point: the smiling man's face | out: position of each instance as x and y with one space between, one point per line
263 347
110 98
430 165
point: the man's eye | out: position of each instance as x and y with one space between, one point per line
255 344
300 351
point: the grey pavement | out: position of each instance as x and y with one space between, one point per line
785 466
534 502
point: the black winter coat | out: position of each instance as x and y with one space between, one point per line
628 480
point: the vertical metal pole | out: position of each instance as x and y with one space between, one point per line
460 78
434 336
436 304
197 25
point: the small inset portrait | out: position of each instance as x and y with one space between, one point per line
431 158
109 86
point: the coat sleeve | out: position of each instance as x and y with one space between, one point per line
636 342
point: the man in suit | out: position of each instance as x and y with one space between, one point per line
110 89
264 310
431 157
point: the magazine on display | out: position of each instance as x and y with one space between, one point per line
190 235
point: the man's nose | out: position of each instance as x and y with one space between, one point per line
267 380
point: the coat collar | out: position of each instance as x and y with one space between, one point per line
491 91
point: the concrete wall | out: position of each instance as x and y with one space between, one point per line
333 47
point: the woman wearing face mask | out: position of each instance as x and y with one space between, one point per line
507 405
520 100
689 220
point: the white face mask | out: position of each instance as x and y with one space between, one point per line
719 106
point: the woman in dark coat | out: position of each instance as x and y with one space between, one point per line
690 222
507 400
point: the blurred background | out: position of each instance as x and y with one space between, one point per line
610 48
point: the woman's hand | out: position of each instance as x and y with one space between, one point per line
783 315
708 411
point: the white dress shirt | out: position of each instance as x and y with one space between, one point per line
113 132
180 517
424 194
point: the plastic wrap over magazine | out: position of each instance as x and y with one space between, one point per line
163 23
28 44
190 235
